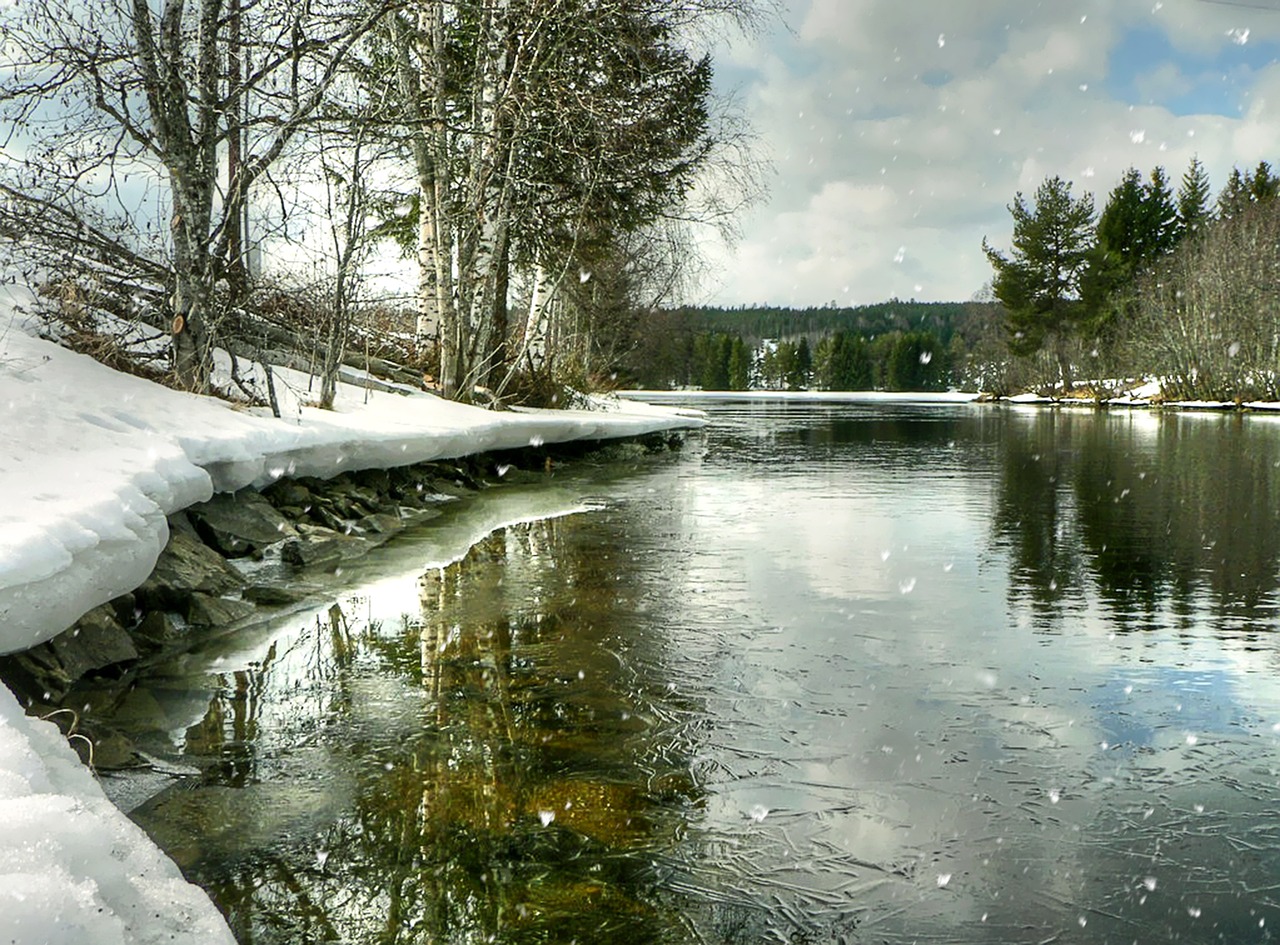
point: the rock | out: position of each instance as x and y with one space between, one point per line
381 524
46 673
111 751
36 675
366 497
205 610
323 513
126 609
97 640
406 482
379 480
272 595
240 524
288 492
186 565
317 548
340 484
157 629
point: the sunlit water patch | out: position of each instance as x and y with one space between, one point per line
836 673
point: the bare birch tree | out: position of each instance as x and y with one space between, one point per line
178 90
541 129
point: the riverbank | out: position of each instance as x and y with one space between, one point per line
1146 395
95 463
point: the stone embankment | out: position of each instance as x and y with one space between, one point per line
242 556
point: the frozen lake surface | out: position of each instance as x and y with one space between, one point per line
835 673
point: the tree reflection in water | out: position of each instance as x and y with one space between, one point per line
1160 517
787 700
527 793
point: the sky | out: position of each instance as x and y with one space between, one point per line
898 137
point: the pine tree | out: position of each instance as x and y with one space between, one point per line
1235 197
1159 220
739 365
1262 184
1194 211
1039 282
802 366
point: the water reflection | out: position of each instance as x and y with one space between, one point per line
1157 517
837 674
488 769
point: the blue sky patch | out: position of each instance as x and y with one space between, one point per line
1216 84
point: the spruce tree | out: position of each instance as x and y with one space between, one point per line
1159 220
739 365
1138 225
1262 184
1194 211
801 367
1235 197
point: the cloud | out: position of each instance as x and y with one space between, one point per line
891 130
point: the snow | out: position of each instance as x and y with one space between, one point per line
95 460
92 463
75 869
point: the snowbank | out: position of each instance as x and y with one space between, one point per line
76 871
92 462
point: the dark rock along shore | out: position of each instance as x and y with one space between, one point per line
312 525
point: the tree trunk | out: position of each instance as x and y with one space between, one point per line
1064 361
192 362
193 276
501 326
537 324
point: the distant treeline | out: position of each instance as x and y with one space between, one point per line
892 345
755 323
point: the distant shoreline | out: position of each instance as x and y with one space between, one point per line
944 398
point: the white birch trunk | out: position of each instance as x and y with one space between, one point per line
537 325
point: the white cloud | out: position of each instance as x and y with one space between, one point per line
883 137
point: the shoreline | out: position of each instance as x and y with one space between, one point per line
96 462
946 398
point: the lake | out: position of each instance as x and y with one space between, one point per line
834 673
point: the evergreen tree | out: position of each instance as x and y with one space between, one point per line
842 362
916 362
739 365
716 374
1159 217
824 361
1121 225
1262 184
801 367
859 371
1235 196
1039 282
1138 225
1194 210
784 365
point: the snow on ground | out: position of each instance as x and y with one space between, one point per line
92 462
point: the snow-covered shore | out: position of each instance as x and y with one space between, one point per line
92 462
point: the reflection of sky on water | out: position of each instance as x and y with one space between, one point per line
1143 709
920 698
903 706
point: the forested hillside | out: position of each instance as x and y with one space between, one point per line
893 345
